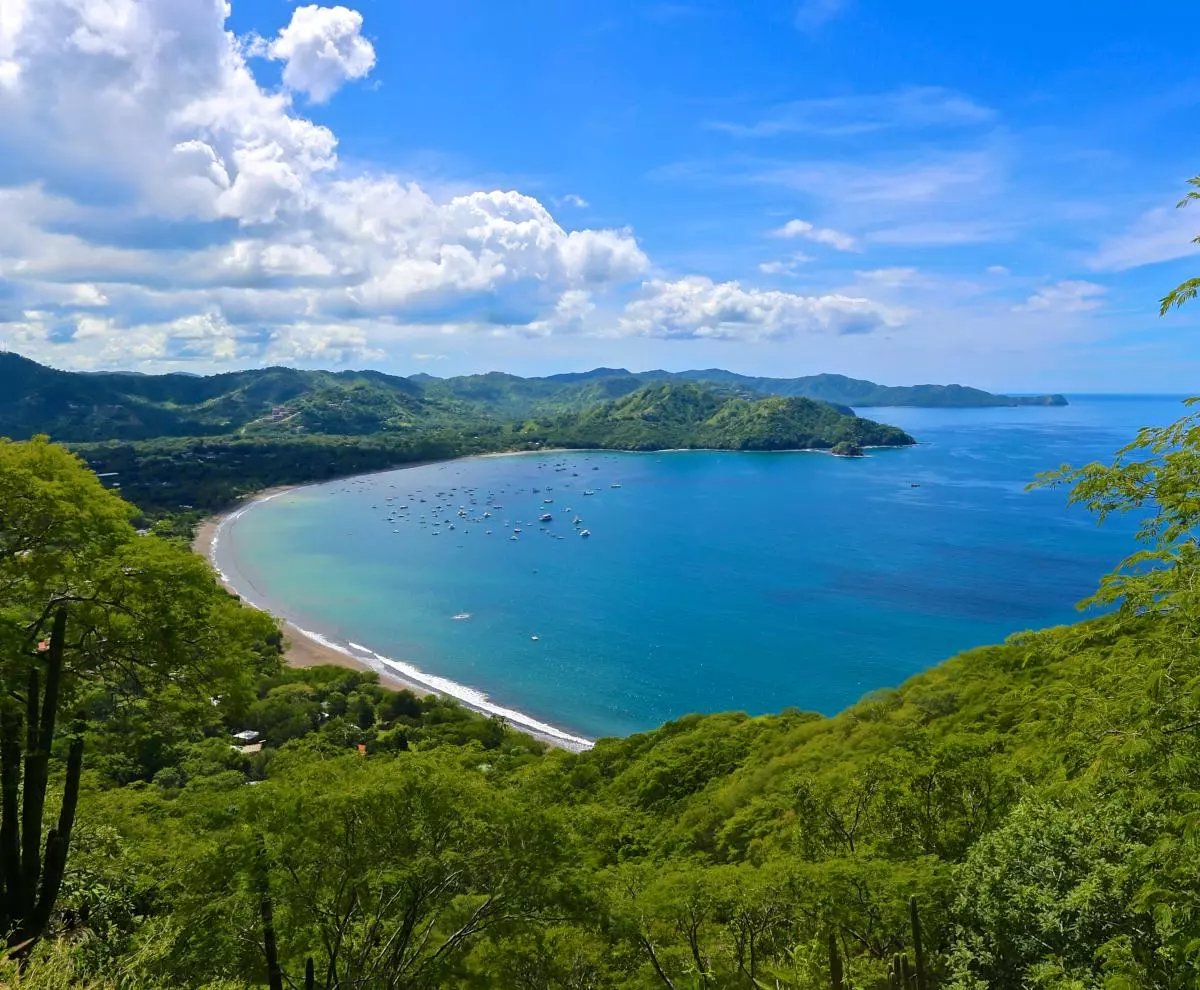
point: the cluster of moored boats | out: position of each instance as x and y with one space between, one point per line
439 514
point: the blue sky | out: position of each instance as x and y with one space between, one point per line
926 191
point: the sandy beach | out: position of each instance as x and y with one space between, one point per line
300 649
303 650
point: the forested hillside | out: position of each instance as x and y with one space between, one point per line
688 415
284 402
1034 799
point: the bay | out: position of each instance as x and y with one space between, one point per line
710 581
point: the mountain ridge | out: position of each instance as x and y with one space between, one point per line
279 401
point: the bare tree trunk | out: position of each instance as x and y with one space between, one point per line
32 876
267 908
39 734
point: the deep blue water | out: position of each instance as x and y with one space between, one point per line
711 581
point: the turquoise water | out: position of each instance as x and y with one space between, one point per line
710 581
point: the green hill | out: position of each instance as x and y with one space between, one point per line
515 396
857 392
73 406
691 415
280 402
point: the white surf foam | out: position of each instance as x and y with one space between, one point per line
474 698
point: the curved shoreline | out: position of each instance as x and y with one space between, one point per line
306 648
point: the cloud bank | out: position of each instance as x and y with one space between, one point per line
164 207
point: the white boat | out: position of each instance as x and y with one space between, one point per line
585 533
545 517
462 615
615 484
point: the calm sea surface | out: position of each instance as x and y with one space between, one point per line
710 581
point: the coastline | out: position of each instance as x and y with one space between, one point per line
299 648
305 648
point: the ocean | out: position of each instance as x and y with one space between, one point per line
709 581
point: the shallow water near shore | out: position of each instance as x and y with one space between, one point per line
710 581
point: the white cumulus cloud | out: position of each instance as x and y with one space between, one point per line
322 49
163 207
698 307
145 171
818 235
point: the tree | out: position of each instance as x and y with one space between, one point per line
1186 290
1157 591
1158 471
89 610
385 872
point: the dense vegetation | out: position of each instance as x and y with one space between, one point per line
283 402
1032 804
1036 798
687 415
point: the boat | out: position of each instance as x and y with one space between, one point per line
615 484
585 533
517 529
462 615
547 501
545 517
534 638
576 521
589 493
914 484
